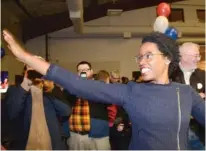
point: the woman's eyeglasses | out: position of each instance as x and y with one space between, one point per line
148 57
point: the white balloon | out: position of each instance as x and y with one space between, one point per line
161 24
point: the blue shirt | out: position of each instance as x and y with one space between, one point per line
99 128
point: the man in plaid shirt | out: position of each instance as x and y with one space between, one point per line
88 123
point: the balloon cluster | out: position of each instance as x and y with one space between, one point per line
161 23
2 52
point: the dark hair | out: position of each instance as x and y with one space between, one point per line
167 46
84 62
125 80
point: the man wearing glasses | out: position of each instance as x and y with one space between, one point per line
88 123
115 76
188 73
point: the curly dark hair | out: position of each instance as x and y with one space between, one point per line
167 46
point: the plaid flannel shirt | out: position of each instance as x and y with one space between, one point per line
79 120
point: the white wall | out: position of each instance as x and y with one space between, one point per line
109 52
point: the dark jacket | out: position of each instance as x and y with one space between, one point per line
97 110
198 76
98 114
159 114
19 106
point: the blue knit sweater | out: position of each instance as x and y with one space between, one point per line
159 114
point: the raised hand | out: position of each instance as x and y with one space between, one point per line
35 63
202 95
26 84
13 45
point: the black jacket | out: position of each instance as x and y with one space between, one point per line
97 110
198 76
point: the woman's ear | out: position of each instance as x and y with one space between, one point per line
167 61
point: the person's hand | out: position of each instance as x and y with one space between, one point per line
37 64
26 84
202 95
36 89
13 45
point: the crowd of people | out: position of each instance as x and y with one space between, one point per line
55 109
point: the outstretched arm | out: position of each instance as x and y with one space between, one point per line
88 89
23 56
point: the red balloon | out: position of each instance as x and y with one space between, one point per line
163 9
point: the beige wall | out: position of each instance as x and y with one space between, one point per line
108 54
8 62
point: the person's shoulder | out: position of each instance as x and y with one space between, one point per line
182 86
133 86
13 87
131 83
200 71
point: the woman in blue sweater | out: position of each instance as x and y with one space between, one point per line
159 110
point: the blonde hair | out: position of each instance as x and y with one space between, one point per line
115 74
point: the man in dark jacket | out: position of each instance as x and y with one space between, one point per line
120 128
88 123
33 115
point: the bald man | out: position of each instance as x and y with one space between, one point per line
188 73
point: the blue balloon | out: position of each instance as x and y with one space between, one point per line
172 33
2 52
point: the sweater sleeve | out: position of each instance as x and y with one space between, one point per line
198 108
88 89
